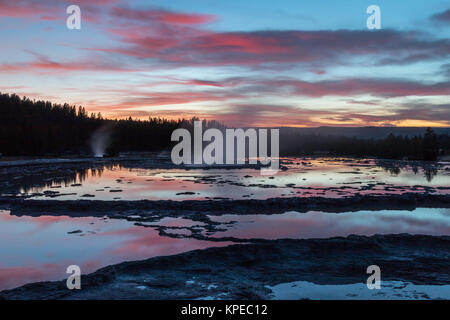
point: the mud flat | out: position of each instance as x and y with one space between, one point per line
247 271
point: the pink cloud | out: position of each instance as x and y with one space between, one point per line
28 9
376 87
51 9
152 99
42 64
193 46
154 15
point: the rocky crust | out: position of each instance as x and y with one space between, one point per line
406 201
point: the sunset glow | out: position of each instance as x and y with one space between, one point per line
256 63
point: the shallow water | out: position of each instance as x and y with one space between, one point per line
41 248
304 178
316 224
390 290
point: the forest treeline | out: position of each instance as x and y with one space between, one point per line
40 128
425 147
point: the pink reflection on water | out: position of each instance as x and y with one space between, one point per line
326 177
316 224
11 277
40 248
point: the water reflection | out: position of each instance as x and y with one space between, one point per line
305 177
315 224
430 173
429 169
31 178
41 248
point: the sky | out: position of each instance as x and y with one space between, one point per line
242 62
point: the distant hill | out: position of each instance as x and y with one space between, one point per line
364 132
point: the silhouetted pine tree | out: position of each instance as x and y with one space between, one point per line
430 145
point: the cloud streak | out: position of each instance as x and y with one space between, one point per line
190 46
442 16
184 63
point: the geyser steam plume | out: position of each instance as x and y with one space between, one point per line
100 140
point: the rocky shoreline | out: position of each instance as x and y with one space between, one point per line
407 201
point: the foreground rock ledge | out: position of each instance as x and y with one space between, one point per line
242 271
407 201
